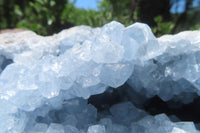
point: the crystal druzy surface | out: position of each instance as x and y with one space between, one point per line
45 81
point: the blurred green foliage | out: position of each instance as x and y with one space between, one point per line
51 16
162 27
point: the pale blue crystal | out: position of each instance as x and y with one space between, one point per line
55 128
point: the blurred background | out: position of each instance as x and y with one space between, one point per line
47 17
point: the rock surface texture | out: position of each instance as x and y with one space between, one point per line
45 82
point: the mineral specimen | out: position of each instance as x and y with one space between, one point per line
45 82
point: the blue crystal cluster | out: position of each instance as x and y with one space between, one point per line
45 81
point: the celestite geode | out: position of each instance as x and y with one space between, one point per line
45 81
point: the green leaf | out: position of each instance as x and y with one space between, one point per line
158 19
52 3
17 11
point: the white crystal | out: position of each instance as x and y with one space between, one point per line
96 129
